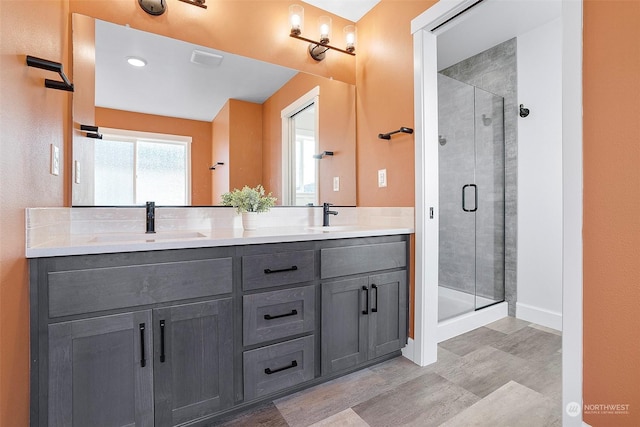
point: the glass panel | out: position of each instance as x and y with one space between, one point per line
161 173
456 170
114 173
489 137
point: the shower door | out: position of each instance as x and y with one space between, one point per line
471 174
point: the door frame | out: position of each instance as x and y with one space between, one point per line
423 349
288 131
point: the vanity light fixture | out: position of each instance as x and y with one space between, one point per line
317 49
136 61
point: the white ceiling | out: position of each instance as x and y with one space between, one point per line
352 10
171 85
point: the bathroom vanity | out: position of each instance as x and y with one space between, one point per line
186 335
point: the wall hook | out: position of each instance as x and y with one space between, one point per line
56 67
212 168
92 131
524 112
388 135
321 155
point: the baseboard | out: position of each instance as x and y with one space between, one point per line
538 315
408 350
469 321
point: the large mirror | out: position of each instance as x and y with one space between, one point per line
194 122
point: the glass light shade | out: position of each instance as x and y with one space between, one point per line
324 24
296 19
350 37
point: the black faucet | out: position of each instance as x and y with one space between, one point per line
151 217
326 212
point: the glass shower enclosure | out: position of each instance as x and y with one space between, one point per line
472 182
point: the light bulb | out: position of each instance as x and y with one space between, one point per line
296 19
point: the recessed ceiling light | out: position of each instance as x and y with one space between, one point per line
136 61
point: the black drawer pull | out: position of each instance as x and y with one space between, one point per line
282 270
143 359
270 317
366 294
374 309
162 357
268 371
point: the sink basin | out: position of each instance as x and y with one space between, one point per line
144 237
334 228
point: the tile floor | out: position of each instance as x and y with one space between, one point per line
507 373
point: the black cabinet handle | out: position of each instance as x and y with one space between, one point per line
143 359
270 317
374 310
268 371
366 294
282 270
475 192
162 358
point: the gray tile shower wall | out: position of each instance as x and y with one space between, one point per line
495 70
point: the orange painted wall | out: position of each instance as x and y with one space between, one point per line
611 207
245 140
31 118
384 78
337 134
199 131
220 153
237 142
264 34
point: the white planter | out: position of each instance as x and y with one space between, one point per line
250 220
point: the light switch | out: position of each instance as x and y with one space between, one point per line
55 160
382 178
336 183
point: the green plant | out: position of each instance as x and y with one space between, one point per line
249 199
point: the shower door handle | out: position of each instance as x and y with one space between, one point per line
475 193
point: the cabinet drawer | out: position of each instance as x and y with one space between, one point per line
276 367
282 268
278 314
348 260
86 291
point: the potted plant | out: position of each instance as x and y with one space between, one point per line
249 202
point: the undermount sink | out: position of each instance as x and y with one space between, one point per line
151 237
331 228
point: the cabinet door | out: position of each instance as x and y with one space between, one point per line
100 371
388 319
344 326
193 360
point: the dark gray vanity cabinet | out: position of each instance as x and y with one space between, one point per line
186 336
101 371
364 316
141 339
278 323
193 361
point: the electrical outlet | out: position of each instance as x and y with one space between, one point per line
336 183
76 171
382 178
55 160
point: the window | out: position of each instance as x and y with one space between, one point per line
133 167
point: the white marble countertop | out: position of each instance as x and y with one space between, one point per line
180 239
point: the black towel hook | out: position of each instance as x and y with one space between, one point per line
388 134
524 112
56 67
